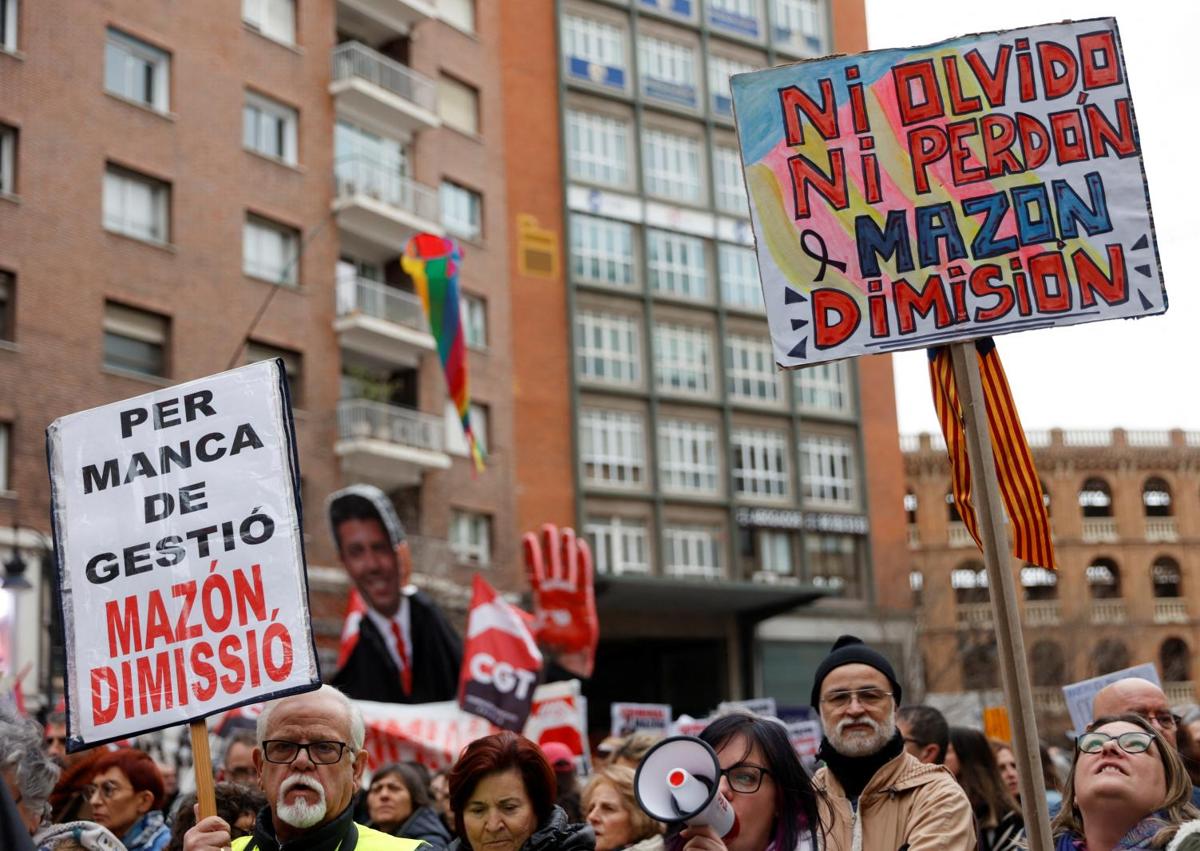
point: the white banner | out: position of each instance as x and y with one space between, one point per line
180 557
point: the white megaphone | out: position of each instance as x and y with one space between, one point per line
678 782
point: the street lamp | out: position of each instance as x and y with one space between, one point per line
14 569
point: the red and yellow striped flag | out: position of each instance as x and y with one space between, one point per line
1020 486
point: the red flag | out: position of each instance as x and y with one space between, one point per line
501 662
1020 487
355 611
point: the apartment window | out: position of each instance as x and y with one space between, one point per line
720 69
458 105
619 545
668 71
462 210
612 449
760 467
8 160
739 17
606 348
379 154
8 301
594 51
8 28
5 485
687 457
683 360
137 71
269 127
293 366
471 537
774 551
800 26
135 340
834 563
738 268
750 374
672 166
692 552
459 14
273 18
827 471
269 251
731 188
678 264
602 251
597 148
474 319
136 205
825 388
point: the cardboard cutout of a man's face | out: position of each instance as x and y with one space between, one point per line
378 568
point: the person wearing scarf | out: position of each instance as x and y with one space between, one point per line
874 794
1128 789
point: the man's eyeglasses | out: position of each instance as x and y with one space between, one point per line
1164 720
1134 741
108 790
744 778
871 698
245 774
283 752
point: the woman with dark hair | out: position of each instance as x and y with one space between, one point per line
1127 789
126 796
1001 826
762 778
502 794
397 803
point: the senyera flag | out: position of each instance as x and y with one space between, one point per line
433 263
501 663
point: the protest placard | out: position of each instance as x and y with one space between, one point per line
180 560
1079 696
981 185
805 737
630 718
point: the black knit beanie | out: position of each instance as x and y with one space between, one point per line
847 650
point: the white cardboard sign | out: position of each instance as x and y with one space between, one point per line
181 570
1079 696
630 718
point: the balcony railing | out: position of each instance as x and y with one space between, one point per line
1099 530
363 176
914 536
974 616
1180 692
1109 612
360 418
1087 437
354 60
359 295
1170 611
959 536
1049 700
1161 530
1043 613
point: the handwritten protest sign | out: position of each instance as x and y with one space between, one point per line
180 560
913 197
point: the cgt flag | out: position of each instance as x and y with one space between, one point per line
501 662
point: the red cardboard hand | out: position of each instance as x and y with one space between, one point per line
564 602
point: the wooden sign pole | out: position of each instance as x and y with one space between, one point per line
989 516
206 794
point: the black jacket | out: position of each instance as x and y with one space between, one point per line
555 835
424 824
371 674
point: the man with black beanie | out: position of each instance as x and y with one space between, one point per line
873 793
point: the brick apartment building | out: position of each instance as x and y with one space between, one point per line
187 187
1125 515
719 495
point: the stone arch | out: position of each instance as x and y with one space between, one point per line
1174 660
1166 577
1110 655
1156 498
1095 498
1047 664
980 668
1103 579
1039 583
970 583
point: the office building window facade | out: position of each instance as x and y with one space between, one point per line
678 264
720 69
828 471
137 71
668 71
800 26
136 205
731 187
693 551
683 360
738 269
619 546
737 17
607 349
825 389
598 148
835 563
595 52
688 458
672 166
750 374
135 341
613 449
760 463
602 251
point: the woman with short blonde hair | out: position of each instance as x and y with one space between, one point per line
610 807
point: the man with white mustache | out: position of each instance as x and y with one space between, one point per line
310 761
872 793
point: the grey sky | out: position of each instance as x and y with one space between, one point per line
1133 374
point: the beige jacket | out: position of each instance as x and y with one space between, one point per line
906 806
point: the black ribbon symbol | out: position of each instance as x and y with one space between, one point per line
821 254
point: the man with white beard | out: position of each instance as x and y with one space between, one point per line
872 793
310 762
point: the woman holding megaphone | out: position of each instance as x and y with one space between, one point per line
758 776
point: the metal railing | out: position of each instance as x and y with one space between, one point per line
360 295
1099 530
363 176
1170 611
360 418
1161 529
352 59
1109 612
